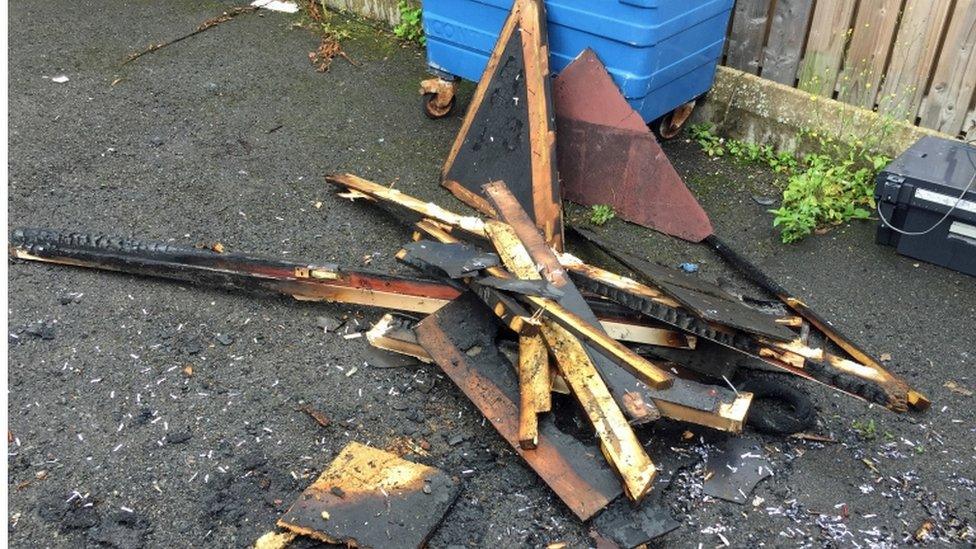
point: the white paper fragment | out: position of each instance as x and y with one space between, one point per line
276 5
60 79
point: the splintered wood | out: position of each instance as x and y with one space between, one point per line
364 485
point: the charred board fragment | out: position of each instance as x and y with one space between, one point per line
457 260
735 468
607 155
708 301
371 498
628 527
538 288
394 333
461 340
303 281
509 130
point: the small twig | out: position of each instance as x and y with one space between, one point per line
208 24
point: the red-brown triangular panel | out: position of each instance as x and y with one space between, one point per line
607 155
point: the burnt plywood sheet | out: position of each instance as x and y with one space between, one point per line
704 299
607 155
627 526
509 130
460 338
372 498
629 171
456 259
735 468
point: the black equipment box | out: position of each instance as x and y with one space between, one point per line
916 191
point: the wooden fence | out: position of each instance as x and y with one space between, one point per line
910 59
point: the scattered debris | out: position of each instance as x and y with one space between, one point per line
734 469
275 540
958 389
627 527
689 267
61 79
318 415
328 50
206 25
276 5
382 501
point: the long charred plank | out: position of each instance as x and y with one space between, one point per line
617 440
902 396
535 388
840 374
303 281
460 338
685 400
541 257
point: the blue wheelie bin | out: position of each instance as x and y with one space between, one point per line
662 53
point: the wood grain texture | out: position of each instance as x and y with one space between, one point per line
912 58
787 31
945 107
871 37
825 46
745 41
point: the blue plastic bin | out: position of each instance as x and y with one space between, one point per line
662 53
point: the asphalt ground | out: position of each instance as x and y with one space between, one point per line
225 137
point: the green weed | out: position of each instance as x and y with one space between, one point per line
866 430
411 26
601 213
829 187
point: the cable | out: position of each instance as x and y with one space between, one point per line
969 155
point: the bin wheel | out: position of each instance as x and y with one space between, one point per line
434 111
669 126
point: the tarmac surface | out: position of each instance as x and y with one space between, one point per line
147 413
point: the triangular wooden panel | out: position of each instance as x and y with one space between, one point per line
607 155
509 130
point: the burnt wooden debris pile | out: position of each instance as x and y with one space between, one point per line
511 317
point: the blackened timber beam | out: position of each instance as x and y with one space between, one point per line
303 281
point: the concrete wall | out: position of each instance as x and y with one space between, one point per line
755 110
383 10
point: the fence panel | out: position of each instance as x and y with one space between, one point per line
911 60
747 35
787 33
867 53
952 87
825 46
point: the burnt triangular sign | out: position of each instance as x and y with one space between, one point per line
608 156
509 130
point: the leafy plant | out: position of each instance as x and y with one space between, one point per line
865 429
411 26
601 213
828 187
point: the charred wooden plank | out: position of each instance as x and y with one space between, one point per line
395 333
372 498
473 225
509 129
303 281
537 288
617 440
535 388
841 374
900 395
529 253
706 300
707 405
461 339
